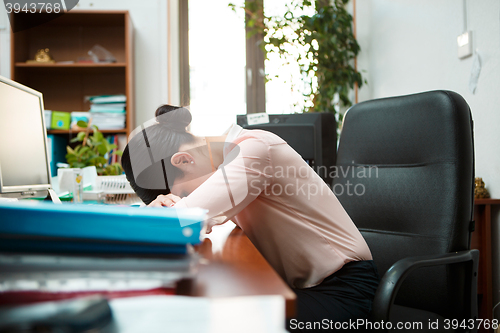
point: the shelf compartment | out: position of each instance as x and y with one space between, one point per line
105 131
71 36
65 90
75 65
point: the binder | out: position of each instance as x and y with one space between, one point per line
56 146
45 227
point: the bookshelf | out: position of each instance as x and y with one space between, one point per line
70 36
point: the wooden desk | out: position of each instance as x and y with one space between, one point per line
481 240
234 267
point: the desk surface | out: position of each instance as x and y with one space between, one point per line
234 267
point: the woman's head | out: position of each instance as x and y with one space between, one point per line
152 159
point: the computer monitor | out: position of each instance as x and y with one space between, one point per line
312 135
24 163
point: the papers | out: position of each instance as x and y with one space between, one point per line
80 274
107 120
108 111
108 107
199 315
108 99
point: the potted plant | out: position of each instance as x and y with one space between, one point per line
94 150
324 42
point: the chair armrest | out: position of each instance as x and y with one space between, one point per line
394 277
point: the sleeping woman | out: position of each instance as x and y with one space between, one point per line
256 180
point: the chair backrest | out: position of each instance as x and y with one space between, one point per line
408 162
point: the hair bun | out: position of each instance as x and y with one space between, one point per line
173 117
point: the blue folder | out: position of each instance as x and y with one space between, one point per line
46 227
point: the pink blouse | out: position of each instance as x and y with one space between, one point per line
286 210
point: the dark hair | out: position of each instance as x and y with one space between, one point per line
149 152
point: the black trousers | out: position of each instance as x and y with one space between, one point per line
341 298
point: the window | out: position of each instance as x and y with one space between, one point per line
216 66
226 70
285 89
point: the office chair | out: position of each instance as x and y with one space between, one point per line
412 196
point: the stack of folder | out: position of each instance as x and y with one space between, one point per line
53 252
108 111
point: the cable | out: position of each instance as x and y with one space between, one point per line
465 15
493 310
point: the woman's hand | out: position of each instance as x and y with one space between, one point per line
164 200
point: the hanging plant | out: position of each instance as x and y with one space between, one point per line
323 44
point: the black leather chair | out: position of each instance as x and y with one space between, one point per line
411 194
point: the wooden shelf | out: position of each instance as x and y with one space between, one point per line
87 18
75 65
65 86
486 201
105 131
69 37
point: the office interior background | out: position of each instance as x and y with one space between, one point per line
407 46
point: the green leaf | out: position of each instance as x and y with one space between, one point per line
84 150
98 136
79 137
101 148
98 160
78 165
82 124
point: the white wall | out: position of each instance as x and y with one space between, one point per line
410 46
153 20
4 43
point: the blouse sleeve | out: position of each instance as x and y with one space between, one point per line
245 173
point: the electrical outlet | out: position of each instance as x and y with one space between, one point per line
464 42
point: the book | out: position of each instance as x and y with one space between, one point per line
108 120
108 110
56 149
60 120
108 99
48 118
100 227
29 278
77 116
108 107
112 139
114 158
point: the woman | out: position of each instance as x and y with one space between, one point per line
255 179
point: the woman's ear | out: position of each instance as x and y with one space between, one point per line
181 160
